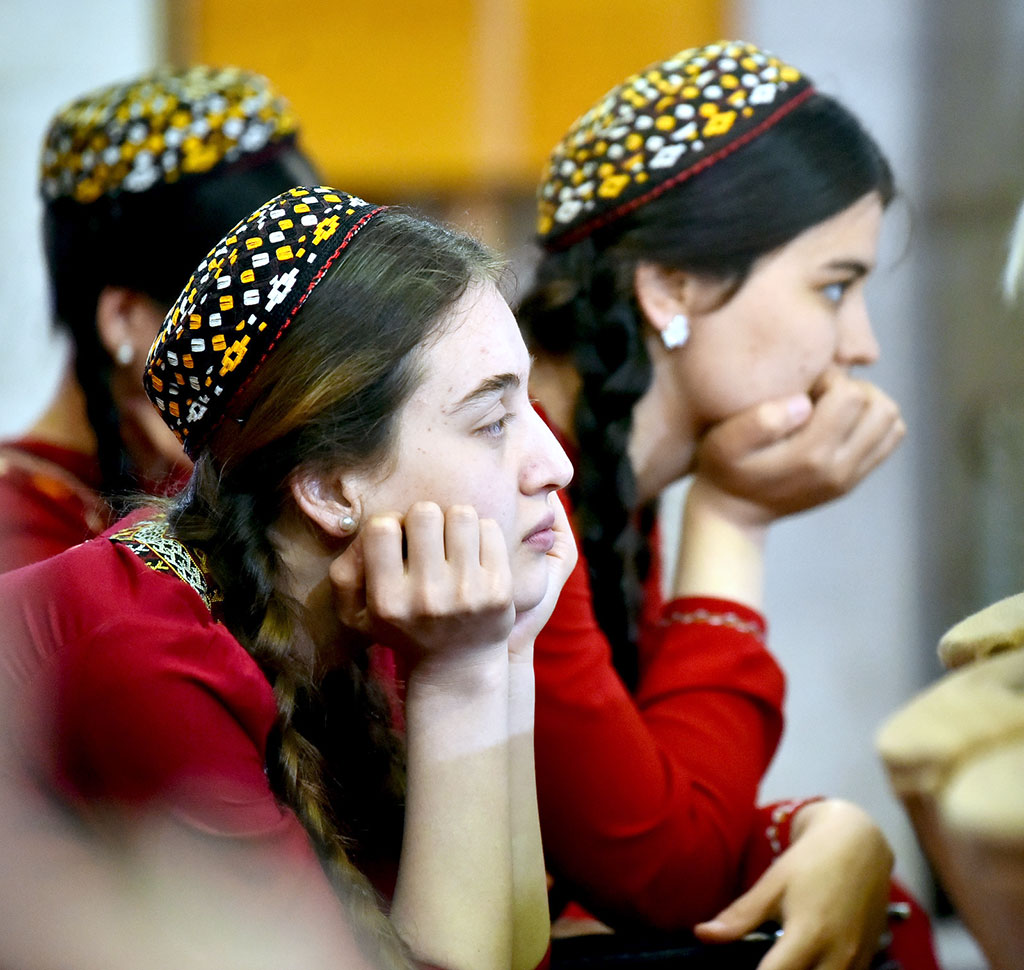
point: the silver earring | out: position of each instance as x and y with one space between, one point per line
677 332
124 354
347 524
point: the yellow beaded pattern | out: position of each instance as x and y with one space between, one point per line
241 300
159 128
658 127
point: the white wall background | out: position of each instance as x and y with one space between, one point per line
50 52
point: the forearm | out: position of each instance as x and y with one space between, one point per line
720 555
453 897
531 926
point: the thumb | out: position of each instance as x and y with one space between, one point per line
348 579
781 417
756 906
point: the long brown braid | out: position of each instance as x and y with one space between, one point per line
325 399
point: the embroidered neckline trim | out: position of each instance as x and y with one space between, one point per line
163 553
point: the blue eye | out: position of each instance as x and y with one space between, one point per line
835 292
497 428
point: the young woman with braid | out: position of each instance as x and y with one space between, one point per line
368 473
707 229
213 142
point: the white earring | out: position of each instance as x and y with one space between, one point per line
124 354
346 524
677 332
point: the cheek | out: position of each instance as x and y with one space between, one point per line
772 363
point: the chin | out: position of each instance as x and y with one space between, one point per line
530 592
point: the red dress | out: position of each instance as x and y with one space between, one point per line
48 501
133 696
648 801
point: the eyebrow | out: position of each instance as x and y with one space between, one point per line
853 266
497 384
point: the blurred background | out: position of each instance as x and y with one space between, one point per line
452 105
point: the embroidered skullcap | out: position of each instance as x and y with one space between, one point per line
241 300
160 128
658 128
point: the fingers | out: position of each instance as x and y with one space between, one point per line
427 534
348 579
384 566
757 905
436 582
858 426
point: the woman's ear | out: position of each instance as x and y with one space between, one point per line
328 502
127 322
660 293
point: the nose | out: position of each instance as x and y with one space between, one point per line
546 466
857 341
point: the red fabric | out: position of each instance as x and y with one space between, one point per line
912 946
48 501
646 801
148 701
133 697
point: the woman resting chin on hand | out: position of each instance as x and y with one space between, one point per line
708 228
368 473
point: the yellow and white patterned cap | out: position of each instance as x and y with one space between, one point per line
657 128
128 137
240 302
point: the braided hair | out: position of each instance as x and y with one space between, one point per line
807 167
326 398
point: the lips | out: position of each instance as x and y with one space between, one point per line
542 535
545 525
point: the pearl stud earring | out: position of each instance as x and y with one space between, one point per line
347 524
124 354
677 332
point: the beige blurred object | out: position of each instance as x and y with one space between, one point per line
995 629
955 757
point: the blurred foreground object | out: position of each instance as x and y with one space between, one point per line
955 757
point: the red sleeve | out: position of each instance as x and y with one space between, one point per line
771 836
40 516
647 801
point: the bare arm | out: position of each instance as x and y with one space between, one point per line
531 927
447 605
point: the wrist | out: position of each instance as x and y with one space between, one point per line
742 514
789 820
721 555
461 672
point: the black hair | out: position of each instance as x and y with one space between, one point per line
812 164
148 242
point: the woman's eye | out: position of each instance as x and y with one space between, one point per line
497 428
835 292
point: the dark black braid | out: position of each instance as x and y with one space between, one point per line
591 319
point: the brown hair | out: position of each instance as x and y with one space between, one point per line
327 398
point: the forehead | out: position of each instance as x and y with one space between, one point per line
478 340
854 231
